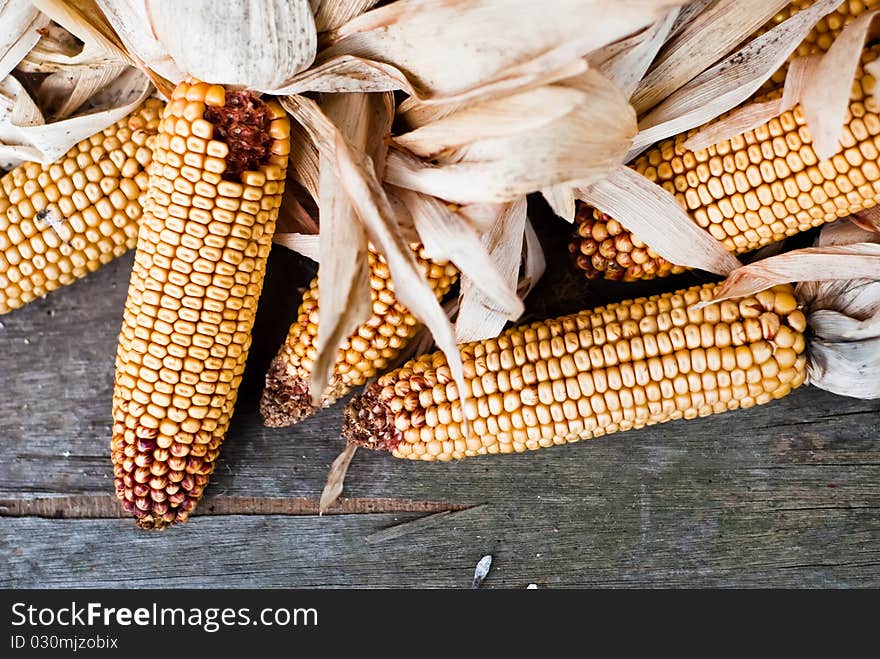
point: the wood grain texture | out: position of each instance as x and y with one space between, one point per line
786 494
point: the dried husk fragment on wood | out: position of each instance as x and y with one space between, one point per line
336 478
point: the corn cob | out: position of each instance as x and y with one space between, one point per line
60 222
619 367
214 192
749 191
369 350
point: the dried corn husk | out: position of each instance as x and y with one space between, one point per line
24 135
571 131
730 82
655 215
257 44
488 46
87 89
21 23
702 41
331 14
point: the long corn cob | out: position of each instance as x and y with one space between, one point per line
287 397
752 190
214 191
618 367
60 222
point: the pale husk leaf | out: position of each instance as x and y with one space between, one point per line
342 254
868 219
131 21
336 478
447 235
517 114
63 93
625 63
410 286
331 14
21 22
77 70
825 98
346 73
581 145
307 244
827 263
657 218
478 318
753 115
709 36
486 42
731 81
257 44
562 200
534 261
32 139
84 19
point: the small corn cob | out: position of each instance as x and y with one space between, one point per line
214 192
749 191
287 396
619 367
60 222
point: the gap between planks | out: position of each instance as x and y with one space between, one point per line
102 506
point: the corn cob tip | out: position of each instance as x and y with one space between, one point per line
603 248
369 421
286 397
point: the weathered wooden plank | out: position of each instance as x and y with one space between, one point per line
103 506
785 494
644 543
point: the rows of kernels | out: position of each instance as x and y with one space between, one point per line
618 367
767 184
60 222
195 284
376 343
